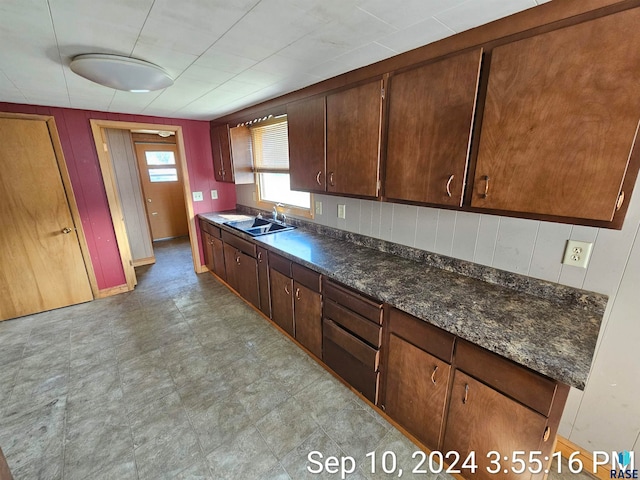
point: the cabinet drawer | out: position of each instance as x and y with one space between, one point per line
518 382
367 355
421 334
337 355
368 331
306 277
360 304
240 243
280 264
209 228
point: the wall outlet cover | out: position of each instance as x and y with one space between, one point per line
577 253
214 194
342 211
197 196
318 208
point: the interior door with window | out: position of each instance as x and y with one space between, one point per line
161 181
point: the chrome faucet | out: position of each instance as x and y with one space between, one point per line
283 217
275 213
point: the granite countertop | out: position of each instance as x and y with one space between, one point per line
551 335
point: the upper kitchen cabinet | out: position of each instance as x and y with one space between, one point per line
431 110
560 120
231 149
354 118
306 124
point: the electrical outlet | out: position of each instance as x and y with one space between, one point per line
214 194
342 211
577 253
197 196
318 208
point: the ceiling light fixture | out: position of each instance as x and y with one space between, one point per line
120 72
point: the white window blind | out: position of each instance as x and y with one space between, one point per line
270 143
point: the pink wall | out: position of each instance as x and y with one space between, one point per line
84 170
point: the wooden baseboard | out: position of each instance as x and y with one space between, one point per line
144 261
569 448
109 292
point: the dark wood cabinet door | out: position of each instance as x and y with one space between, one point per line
263 280
240 161
431 110
207 249
416 390
247 278
306 130
282 300
481 420
353 140
230 255
217 252
221 151
560 120
308 318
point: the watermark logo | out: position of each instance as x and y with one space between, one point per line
621 464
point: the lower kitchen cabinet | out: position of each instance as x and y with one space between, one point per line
242 268
351 330
416 379
263 281
213 249
296 302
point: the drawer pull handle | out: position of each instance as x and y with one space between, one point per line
286 289
297 293
486 186
466 393
318 177
238 260
331 179
547 434
449 185
433 375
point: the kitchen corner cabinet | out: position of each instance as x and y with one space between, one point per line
499 406
354 119
417 375
306 131
242 267
231 151
560 120
296 302
431 111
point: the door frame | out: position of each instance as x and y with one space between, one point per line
115 206
68 190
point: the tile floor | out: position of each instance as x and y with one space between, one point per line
178 379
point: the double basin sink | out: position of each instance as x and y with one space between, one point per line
259 226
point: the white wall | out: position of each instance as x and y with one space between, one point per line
606 416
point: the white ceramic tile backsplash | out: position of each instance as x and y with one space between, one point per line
606 416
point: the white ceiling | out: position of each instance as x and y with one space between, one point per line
223 55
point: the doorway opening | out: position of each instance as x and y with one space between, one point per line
146 160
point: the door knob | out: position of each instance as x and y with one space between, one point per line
66 230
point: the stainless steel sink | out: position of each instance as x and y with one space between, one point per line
259 226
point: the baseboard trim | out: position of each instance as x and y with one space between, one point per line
567 447
109 292
144 261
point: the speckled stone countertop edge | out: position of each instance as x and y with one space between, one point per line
593 301
509 322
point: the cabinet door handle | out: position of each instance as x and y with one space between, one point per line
219 173
297 294
286 290
318 177
466 393
331 179
433 375
238 260
486 186
449 185
260 257
546 434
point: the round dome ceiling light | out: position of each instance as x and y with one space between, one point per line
120 72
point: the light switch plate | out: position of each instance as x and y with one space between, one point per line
214 194
318 208
342 211
577 253
197 196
